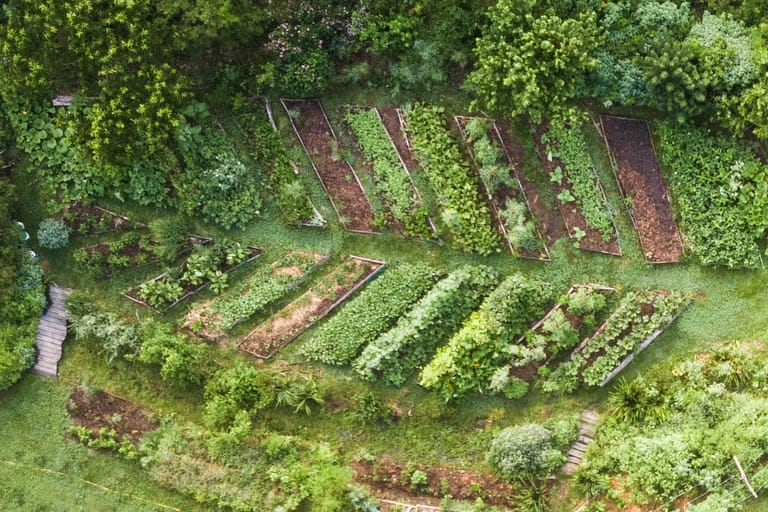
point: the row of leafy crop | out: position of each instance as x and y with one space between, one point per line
564 141
392 181
464 212
638 318
720 190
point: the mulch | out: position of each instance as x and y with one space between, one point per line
391 120
103 410
641 182
93 220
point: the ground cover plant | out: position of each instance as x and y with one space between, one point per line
292 320
719 188
393 183
638 319
643 188
252 295
363 319
580 194
337 176
467 361
513 216
398 353
464 212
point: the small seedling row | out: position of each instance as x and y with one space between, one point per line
642 186
338 177
499 196
333 289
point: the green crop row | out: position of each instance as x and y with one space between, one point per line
362 320
464 212
396 354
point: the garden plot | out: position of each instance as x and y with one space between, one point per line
336 175
642 185
95 220
393 120
205 266
640 318
295 318
581 198
261 289
512 214
104 412
394 184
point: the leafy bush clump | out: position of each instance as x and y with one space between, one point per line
181 361
528 450
240 388
53 234
396 354
115 338
169 236
363 319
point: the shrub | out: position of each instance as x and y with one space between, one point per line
241 387
169 236
116 337
523 451
53 234
180 361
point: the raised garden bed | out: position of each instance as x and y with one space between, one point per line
321 299
638 321
642 185
185 288
580 195
510 208
264 287
95 220
99 410
338 178
394 184
393 120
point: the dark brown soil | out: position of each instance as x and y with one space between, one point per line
642 184
572 216
395 129
502 193
337 176
296 317
549 221
391 479
104 410
94 220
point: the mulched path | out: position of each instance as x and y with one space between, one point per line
549 221
337 176
390 479
296 317
103 410
93 220
640 180
570 211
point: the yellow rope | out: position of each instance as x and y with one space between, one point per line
93 484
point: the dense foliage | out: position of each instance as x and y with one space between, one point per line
398 353
721 192
467 362
363 319
464 211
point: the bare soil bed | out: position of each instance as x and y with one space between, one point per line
549 221
570 211
390 479
336 175
393 124
296 317
640 180
502 193
103 410
94 220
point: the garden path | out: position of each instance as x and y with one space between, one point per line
587 429
51 332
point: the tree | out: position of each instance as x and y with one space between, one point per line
530 64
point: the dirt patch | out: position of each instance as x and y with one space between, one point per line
550 222
291 321
391 479
396 130
643 187
103 410
337 176
570 211
93 220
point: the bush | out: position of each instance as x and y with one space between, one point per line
180 361
169 236
115 337
524 451
241 387
53 234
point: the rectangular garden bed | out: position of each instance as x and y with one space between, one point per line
254 293
393 120
642 185
188 289
337 176
95 220
578 204
321 299
505 192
